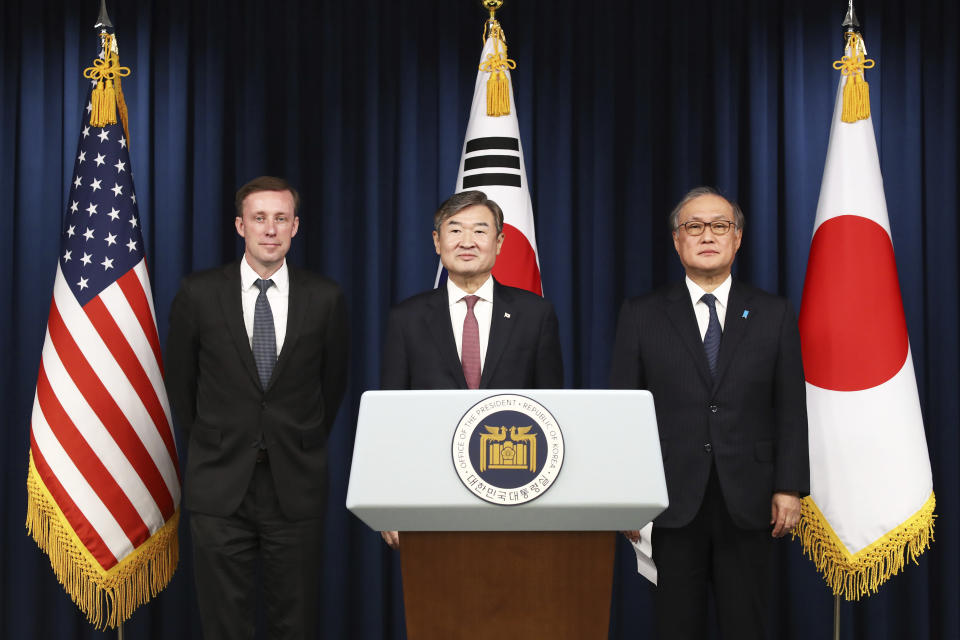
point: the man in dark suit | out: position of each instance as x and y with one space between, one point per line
255 371
722 360
473 332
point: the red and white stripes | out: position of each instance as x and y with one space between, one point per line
101 433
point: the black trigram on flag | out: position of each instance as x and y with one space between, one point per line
486 167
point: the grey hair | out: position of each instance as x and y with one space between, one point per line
460 201
696 192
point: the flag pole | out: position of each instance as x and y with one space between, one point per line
103 22
836 617
850 23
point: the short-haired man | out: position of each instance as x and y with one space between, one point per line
473 332
722 360
255 370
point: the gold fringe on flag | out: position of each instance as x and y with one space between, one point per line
855 576
498 85
107 598
107 97
856 91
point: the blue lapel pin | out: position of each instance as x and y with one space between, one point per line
746 312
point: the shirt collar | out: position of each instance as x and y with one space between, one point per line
455 294
249 277
722 292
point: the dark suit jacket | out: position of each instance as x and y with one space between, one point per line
216 397
752 420
523 350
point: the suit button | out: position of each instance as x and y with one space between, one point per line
263 405
708 447
714 407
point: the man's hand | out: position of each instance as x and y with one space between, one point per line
784 512
392 538
632 536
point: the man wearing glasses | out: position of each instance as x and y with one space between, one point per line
722 360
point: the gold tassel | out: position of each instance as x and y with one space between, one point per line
496 64
122 110
96 97
856 99
498 94
109 103
855 576
107 598
856 90
105 71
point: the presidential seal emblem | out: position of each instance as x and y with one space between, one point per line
508 449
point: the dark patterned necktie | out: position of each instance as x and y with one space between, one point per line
711 339
470 352
264 335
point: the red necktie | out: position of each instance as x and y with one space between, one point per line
470 354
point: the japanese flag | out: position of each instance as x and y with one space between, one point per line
871 503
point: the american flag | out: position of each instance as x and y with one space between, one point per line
103 462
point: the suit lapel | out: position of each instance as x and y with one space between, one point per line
233 314
441 330
296 310
684 321
501 326
734 328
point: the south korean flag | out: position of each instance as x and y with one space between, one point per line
492 162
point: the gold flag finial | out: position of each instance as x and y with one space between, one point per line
492 6
496 63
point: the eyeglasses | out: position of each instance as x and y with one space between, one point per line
696 228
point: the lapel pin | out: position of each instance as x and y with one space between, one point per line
506 315
746 312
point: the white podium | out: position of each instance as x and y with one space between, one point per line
533 482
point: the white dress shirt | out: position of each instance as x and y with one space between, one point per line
278 296
483 310
722 294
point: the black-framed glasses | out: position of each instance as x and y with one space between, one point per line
696 228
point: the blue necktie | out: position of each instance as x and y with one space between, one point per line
711 339
264 336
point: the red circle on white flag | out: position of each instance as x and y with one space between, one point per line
852 328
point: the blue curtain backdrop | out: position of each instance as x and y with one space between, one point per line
623 106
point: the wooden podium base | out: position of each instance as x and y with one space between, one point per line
507 584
